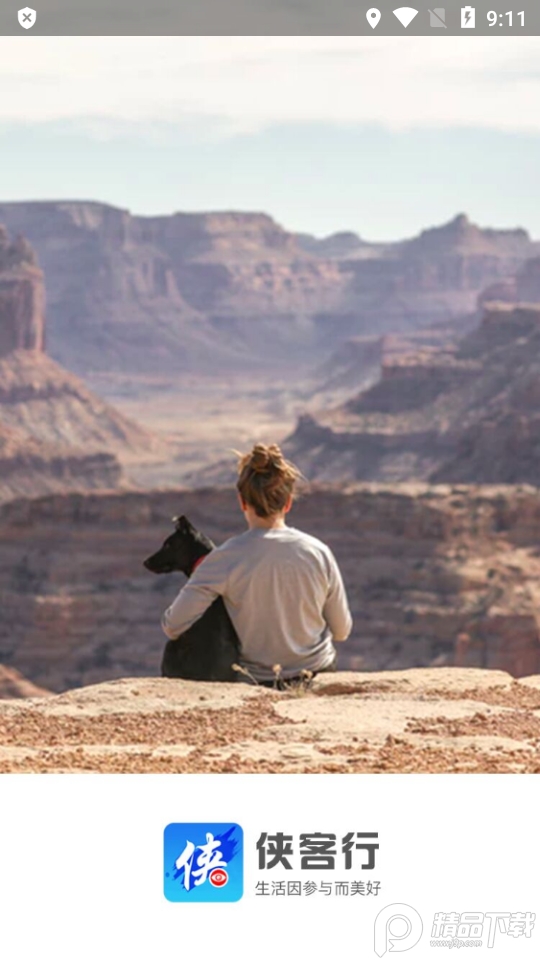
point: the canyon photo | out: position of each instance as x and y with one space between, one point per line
137 353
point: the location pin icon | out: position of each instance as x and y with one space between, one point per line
373 16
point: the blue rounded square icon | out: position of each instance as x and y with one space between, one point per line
203 862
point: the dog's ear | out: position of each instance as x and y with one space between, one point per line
182 523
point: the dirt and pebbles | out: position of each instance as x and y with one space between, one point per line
440 720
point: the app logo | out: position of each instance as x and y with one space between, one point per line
398 927
203 862
218 877
27 17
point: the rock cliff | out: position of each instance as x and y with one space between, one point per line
216 291
22 298
54 433
40 398
527 282
468 413
29 467
435 575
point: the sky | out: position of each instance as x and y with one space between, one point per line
381 135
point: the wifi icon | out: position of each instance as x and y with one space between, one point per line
405 15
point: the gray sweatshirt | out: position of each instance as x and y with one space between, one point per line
283 592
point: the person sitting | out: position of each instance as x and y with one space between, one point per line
282 588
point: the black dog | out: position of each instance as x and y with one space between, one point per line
208 650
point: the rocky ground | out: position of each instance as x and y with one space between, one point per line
415 721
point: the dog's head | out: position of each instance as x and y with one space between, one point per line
181 550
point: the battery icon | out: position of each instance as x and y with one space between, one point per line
468 18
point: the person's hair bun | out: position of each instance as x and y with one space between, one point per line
263 458
266 479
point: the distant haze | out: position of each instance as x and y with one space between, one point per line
325 133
